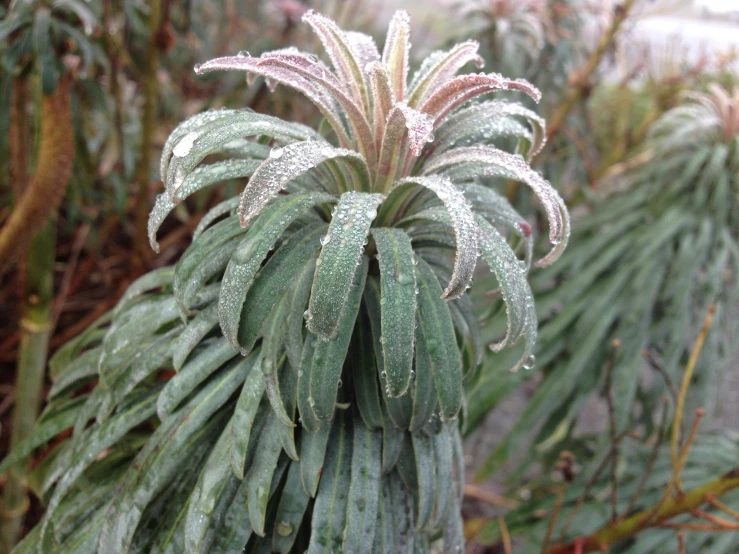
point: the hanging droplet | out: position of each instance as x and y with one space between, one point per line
197 67
530 362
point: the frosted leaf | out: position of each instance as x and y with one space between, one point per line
252 251
201 177
334 275
226 207
420 128
404 126
286 65
445 66
307 86
516 166
215 134
396 51
274 174
486 120
382 98
342 56
364 48
465 230
183 147
186 127
512 281
460 90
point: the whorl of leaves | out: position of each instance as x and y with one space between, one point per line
318 327
650 261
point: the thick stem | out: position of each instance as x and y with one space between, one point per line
651 517
143 169
53 169
35 332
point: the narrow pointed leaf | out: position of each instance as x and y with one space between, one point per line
339 260
312 454
290 512
396 52
244 416
259 479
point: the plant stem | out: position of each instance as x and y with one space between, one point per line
35 332
653 516
582 76
143 169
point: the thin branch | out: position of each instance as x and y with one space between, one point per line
472 491
652 458
554 517
715 502
658 366
655 516
505 536
687 377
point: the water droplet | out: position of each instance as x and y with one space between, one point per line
325 239
276 153
339 384
383 374
312 58
197 67
243 54
307 315
284 528
556 241
530 362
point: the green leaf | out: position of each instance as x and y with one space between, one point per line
423 449
364 490
290 511
437 332
397 306
312 454
395 53
364 373
261 473
245 414
212 358
308 419
252 251
158 462
463 222
275 278
329 510
329 356
341 254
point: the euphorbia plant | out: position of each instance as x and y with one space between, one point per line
323 292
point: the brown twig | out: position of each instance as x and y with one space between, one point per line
658 366
652 458
681 542
472 491
658 516
554 517
505 536
716 503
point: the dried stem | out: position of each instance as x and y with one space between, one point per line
505 535
472 491
554 517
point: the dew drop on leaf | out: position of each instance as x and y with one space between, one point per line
530 362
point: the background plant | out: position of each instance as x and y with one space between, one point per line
224 459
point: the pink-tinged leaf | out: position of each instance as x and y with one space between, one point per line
286 164
342 56
444 69
396 51
465 230
460 90
364 48
405 129
302 67
382 98
516 166
306 86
